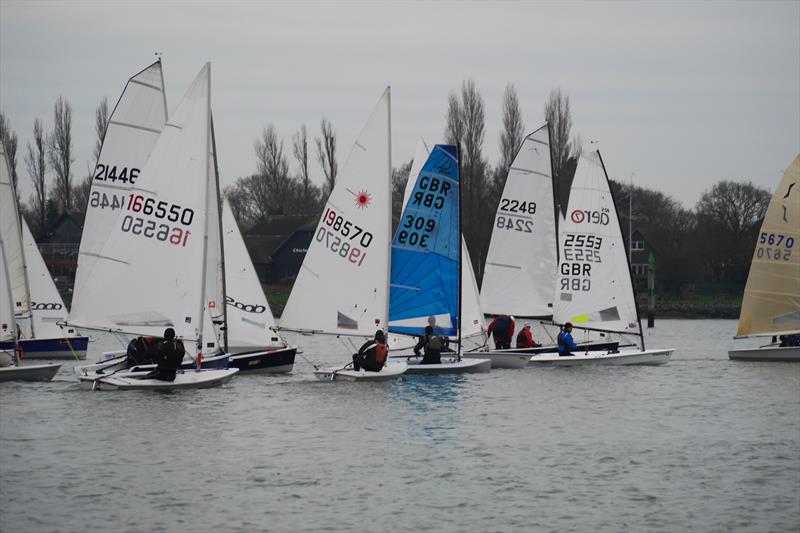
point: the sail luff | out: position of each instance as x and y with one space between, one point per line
9 298
206 199
385 323
771 303
218 207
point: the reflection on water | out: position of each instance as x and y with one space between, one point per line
702 444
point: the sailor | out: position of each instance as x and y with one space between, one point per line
168 356
141 350
433 346
525 338
373 354
502 330
565 343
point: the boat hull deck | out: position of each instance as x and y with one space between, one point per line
775 354
626 357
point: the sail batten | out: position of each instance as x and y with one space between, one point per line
771 303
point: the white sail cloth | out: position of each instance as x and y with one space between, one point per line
522 258
342 286
147 275
593 287
11 234
771 304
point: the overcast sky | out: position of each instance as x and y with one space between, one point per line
681 94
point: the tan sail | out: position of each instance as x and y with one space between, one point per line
771 303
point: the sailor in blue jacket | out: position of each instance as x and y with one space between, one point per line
565 343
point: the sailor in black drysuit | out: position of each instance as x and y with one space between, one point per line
168 357
433 346
372 354
142 350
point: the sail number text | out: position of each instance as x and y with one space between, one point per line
343 249
162 210
345 228
416 230
110 173
433 194
774 247
580 251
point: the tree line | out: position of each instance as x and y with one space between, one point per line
713 241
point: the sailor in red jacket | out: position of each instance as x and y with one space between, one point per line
502 330
525 338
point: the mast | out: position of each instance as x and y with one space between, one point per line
17 217
218 207
10 300
556 204
460 252
389 211
201 316
630 275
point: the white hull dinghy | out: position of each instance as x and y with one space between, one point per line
633 357
192 379
449 365
771 304
348 258
390 371
776 354
594 290
29 372
502 359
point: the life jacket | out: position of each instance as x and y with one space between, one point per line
381 353
522 339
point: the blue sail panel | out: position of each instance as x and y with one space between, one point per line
426 250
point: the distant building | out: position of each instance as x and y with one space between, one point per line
278 246
640 253
59 248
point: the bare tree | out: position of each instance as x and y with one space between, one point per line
273 171
59 153
80 192
36 164
513 130
10 144
557 113
466 128
326 155
400 177
100 125
308 192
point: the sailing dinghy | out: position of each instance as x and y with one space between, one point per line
521 264
10 367
252 343
771 305
37 304
427 255
594 290
150 272
342 288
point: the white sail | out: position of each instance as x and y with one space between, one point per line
215 294
593 287
47 307
249 315
7 323
471 313
342 287
133 129
771 304
518 278
12 240
148 275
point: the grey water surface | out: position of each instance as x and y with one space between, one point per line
700 444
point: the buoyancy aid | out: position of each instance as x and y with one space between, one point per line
381 353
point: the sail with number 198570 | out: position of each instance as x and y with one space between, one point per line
342 286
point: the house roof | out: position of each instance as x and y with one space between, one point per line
264 239
68 227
